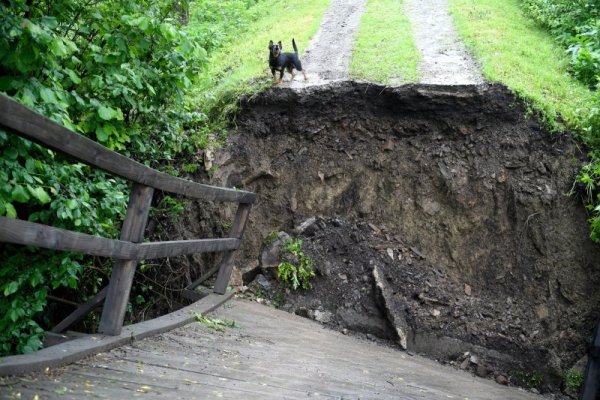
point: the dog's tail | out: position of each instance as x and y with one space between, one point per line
294 45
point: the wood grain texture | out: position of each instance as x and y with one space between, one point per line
78 349
592 371
38 128
121 279
270 354
33 234
237 231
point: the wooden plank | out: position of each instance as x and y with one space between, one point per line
80 312
123 271
204 277
78 349
38 128
33 234
237 231
181 247
592 371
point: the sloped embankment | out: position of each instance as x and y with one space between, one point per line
444 212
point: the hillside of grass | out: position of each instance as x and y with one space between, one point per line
240 63
516 50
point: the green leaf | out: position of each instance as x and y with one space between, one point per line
19 194
10 211
101 134
40 194
13 315
72 204
48 95
74 77
107 113
11 288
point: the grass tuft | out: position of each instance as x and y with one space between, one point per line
384 49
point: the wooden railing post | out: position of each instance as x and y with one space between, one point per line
237 231
123 271
591 383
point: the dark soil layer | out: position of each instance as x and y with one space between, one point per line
449 196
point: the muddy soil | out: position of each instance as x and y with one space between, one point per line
442 220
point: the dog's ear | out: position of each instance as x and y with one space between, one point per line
270 44
280 45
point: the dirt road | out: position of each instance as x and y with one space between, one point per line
445 59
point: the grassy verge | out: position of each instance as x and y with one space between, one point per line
513 50
240 66
384 50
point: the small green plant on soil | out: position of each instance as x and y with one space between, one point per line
296 270
528 379
574 380
270 238
215 324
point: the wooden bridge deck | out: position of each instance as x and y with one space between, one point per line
270 354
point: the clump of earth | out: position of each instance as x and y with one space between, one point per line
436 217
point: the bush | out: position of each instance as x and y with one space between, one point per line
117 72
575 24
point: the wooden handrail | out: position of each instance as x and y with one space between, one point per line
36 127
130 248
29 233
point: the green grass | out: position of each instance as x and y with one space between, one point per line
241 66
513 50
384 50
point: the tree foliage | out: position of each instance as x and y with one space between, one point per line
113 70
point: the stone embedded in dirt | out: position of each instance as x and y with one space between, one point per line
390 253
481 371
395 314
307 227
270 256
323 317
502 380
464 364
467 290
263 282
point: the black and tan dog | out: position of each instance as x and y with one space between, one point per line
279 61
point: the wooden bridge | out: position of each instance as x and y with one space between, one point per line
265 354
268 354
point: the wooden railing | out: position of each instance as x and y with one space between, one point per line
129 249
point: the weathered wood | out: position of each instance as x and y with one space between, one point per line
204 277
192 295
32 234
123 271
80 312
298 360
40 129
237 231
592 371
78 349
181 247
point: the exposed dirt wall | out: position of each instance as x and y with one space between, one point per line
458 174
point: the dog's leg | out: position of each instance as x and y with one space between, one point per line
281 75
304 73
